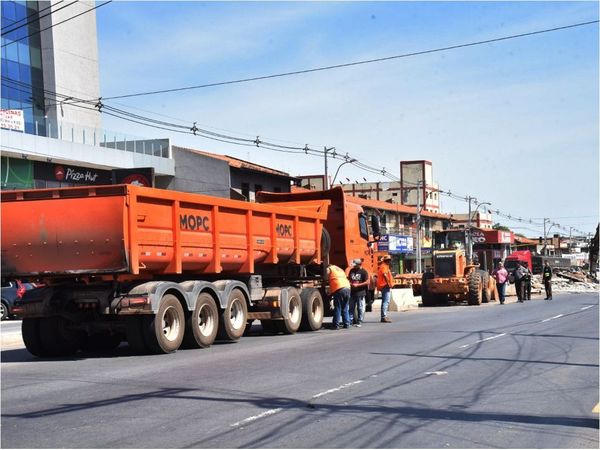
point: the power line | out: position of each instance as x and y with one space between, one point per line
33 16
350 64
56 24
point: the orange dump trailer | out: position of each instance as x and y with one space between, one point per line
162 269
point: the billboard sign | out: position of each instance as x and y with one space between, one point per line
12 119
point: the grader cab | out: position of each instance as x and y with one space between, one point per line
454 277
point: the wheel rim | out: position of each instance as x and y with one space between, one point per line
206 321
171 324
2 309
295 311
236 316
317 311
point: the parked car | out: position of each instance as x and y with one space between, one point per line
11 291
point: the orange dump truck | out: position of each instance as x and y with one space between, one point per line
163 269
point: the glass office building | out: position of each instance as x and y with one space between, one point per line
22 75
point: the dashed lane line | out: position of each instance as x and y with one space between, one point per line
552 318
483 340
270 412
587 307
596 409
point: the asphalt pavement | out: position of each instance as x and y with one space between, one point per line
496 376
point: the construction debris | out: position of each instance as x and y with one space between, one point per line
567 282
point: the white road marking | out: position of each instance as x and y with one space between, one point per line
343 386
587 307
439 372
483 340
270 412
552 318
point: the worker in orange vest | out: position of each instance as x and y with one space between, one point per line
339 288
384 285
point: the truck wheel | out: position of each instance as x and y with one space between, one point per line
164 332
135 334
486 294
202 324
57 339
312 309
30 330
233 317
101 342
475 288
291 312
3 310
427 298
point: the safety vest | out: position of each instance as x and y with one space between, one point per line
384 276
337 279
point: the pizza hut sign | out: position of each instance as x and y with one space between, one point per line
70 174
73 175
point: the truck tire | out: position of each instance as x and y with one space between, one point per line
135 334
30 330
56 338
291 312
202 324
101 342
474 294
427 298
233 318
486 295
312 309
164 332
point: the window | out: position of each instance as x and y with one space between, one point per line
363 227
258 188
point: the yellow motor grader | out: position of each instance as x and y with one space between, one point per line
454 277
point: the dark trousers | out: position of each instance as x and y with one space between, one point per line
519 288
548 287
501 291
527 290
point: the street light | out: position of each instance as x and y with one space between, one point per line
546 235
470 234
350 161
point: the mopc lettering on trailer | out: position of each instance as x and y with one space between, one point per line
194 223
283 230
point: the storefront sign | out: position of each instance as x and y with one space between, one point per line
492 237
12 119
70 174
395 243
142 176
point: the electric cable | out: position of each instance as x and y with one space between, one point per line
36 19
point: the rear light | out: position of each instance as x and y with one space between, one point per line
17 310
20 289
135 302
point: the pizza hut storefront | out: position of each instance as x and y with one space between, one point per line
491 246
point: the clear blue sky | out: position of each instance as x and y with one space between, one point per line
514 123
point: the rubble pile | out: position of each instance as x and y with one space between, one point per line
567 282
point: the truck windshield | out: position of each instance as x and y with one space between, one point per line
510 264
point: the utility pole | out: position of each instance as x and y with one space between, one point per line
419 269
469 240
326 181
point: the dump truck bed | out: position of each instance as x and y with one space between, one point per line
146 231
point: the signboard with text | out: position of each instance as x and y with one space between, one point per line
70 174
12 119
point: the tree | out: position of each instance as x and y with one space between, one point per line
500 227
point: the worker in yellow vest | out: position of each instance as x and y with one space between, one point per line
339 288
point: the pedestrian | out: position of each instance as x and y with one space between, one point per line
526 282
547 277
359 282
500 274
339 288
384 285
519 285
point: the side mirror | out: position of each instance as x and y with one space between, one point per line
375 227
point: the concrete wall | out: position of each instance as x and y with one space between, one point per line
71 69
197 173
268 182
42 148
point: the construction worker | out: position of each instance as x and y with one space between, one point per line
547 277
526 282
359 282
519 273
339 289
384 285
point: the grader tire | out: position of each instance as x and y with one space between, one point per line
485 287
427 297
30 330
474 295
312 309
233 318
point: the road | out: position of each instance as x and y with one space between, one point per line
516 375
